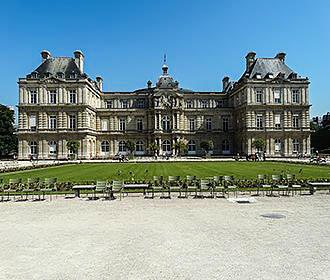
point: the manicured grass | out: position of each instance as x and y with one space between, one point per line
110 171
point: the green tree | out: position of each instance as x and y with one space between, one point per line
8 139
180 146
154 148
206 146
130 146
73 146
259 144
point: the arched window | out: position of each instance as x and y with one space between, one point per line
166 146
52 147
225 147
139 146
296 145
105 148
122 146
166 123
33 148
278 145
192 146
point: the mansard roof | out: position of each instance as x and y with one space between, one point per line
266 66
55 65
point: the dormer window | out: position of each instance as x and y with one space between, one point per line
258 76
270 76
293 76
34 75
72 75
47 74
60 75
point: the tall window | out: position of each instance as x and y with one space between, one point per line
166 122
277 145
296 145
72 96
259 121
72 122
33 96
295 121
139 124
105 147
122 124
219 103
192 124
104 124
140 103
209 124
124 104
166 146
295 95
192 146
122 146
259 95
52 122
52 96
225 124
205 103
277 96
33 148
189 104
139 146
225 146
52 148
33 122
109 104
277 120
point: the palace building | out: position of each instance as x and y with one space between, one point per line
59 102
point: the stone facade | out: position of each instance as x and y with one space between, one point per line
58 102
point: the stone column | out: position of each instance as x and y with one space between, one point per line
60 95
79 95
45 149
308 145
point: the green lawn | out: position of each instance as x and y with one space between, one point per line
109 171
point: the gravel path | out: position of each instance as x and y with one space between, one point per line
140 238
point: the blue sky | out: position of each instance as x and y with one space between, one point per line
124 41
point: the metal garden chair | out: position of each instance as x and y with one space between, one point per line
49 186
117 187
102 188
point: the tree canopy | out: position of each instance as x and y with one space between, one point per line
8 138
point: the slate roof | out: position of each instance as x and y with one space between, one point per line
263 66
54 65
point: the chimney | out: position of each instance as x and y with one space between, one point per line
99 81
149 83
281 56
79 59
45 55
250 58
225 82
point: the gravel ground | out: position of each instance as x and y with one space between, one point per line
140 238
